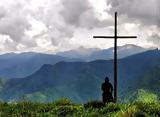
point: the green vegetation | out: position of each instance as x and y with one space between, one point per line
65 108
146 96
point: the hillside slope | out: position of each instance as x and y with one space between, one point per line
81 81
21 65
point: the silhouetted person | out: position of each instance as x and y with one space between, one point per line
107 89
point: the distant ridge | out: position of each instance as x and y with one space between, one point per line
81 81
16 65
91 54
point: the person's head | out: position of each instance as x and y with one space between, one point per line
106 79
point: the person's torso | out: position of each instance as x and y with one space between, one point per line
106 87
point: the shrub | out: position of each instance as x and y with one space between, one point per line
146 96
150 108
111 107
63 102
94 104
63 111
132 111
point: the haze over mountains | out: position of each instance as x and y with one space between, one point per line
81 81
20 65
91 54
15 65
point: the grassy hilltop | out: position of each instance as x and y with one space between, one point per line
146 105
65 108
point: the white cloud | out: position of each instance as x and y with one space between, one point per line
57 25
145 11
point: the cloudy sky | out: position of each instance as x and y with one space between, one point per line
58 25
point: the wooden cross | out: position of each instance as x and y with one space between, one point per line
115 37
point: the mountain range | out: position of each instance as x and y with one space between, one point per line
13 65
91 54
81 81
20 65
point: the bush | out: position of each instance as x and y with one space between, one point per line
94 104
111 107
149 108
146 96
63 111
63 102
132 111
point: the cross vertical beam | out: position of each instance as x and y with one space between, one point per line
115 37
115 61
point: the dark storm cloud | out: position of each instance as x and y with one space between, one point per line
60 18
2 13
72 10
80 13
90 20
14 27
13 22
146 11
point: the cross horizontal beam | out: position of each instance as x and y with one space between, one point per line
115 37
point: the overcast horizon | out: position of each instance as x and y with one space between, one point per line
49 26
